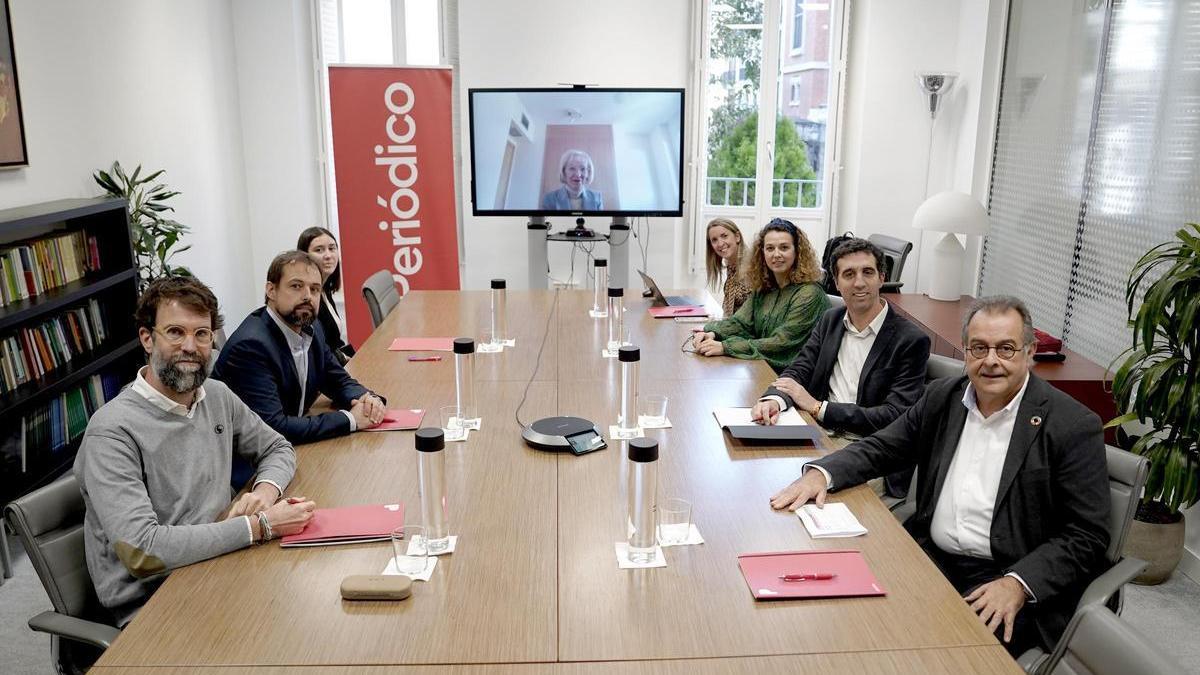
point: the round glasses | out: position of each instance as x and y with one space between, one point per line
177 335
1005 351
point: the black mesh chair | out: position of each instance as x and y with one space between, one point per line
49 522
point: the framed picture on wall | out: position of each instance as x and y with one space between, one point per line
12 122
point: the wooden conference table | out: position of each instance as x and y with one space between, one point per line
533 586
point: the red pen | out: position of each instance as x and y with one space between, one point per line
808 576
424 358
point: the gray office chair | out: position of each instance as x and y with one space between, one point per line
1101 644
835 301
1126 477
49 521
379 290
895 251
939 366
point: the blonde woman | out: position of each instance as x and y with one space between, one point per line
575 171
726 248
787 299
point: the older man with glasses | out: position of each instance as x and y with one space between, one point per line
1012 493
155 461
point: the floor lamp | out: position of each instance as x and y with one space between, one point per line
952 213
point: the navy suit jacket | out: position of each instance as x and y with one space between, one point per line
892 379
1050 522
256 363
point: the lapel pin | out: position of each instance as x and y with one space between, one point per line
1035 421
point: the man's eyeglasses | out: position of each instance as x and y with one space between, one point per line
1005 351
177 335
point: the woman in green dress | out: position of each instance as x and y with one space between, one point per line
787 299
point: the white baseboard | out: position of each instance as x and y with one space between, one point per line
1189 564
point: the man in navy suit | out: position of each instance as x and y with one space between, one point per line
277 361
1012 489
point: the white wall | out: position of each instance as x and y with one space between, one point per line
276 84
887 122
140 81
525 43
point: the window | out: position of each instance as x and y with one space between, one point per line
798 26
766 127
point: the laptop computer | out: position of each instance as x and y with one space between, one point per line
671 300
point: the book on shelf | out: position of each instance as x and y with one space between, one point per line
57 423
31 267
30 352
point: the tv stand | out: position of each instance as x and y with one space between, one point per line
539 236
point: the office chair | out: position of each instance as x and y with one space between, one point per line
835 301
895 253
1101 644
379 290
940 366
1126 477
49 521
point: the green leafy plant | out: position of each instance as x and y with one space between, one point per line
1158 381
156 237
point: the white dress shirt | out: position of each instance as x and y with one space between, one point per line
962 519
299 344
852 356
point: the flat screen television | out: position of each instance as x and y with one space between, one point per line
543 152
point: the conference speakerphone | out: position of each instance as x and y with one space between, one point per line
559 434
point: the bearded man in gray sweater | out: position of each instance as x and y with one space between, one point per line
154 464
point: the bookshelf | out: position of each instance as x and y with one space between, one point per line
28 460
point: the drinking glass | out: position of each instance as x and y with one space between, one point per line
409 562
674 521
654 411
452 423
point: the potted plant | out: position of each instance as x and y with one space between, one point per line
155 237
1158 383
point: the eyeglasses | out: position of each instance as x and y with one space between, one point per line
1005 351
177 335
689 345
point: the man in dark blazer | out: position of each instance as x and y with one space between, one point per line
1012 493
263 360
863 364
882 380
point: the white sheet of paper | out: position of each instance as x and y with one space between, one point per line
740 417
621 548
835 520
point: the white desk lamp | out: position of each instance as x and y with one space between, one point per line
952 213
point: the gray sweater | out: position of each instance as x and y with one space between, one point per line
155 482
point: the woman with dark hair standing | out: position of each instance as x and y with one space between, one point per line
322 247
787 299
726 248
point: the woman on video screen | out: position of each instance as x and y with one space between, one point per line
575 171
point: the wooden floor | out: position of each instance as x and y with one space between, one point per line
533 585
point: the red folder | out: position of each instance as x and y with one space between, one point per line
399 420
677 310
851 578
348 525
422 344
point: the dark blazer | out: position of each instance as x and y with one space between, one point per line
326 316
892 379
257 365
1049 525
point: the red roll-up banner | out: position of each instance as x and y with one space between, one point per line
394 172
